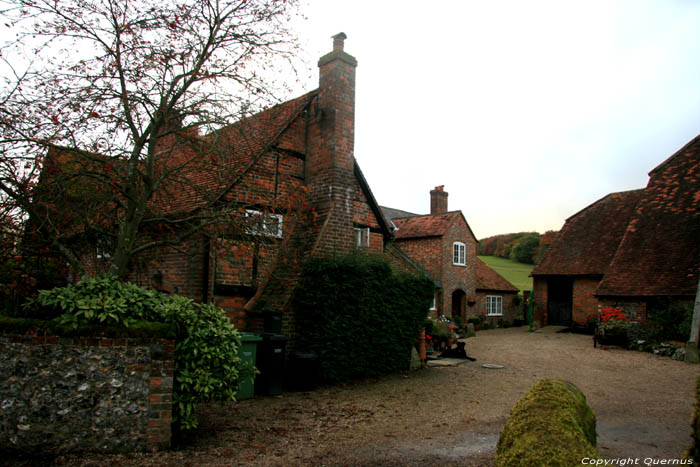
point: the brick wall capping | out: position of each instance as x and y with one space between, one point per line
39 327
337 55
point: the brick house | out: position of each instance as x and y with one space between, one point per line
291 177
303 156
496 298
627 249
443 244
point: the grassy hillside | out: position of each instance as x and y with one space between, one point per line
516 273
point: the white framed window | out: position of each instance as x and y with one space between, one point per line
433 307
258 223
362 237
494 305
459 254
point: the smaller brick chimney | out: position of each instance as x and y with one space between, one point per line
438 200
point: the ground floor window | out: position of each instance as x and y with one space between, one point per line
494 305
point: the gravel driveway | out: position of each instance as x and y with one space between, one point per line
449 415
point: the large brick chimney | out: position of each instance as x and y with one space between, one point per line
331 140
438 200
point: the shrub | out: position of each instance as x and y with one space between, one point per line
207 366
671 319
358 316
551 425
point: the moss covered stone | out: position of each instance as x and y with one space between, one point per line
552 425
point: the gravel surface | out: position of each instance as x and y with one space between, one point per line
446 415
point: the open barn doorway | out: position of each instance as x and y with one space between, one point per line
560 293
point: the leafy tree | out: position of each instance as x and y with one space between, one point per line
100 131
525 248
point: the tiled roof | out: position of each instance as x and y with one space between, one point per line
242 143
588 241
391 213
430 225
488 279
660 251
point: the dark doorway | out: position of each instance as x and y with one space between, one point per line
560 293
459 299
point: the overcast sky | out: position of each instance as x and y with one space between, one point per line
527 112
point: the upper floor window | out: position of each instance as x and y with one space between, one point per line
258 223
362 237
459 254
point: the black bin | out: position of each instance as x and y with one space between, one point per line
272 319
304 371
270 362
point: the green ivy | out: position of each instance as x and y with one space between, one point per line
207 365
358 316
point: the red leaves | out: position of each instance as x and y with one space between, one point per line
55 120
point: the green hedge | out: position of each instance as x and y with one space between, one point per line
552 425
359 316
138 329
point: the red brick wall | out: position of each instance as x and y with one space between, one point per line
425 251
180 271
458 277
435 254
540 309
510 310
584 305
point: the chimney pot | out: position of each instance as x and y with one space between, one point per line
339 41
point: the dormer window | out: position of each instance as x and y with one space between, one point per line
258 223
362 237
459 254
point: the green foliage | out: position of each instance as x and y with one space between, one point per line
615 326
53 327
525 248
359 317
441 330
207 366
671 319
101 299
551 425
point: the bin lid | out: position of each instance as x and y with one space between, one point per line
271 336
250 337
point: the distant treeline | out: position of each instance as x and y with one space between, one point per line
523 247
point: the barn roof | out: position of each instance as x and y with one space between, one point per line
588 241
659 254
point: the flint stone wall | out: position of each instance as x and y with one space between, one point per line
76 394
